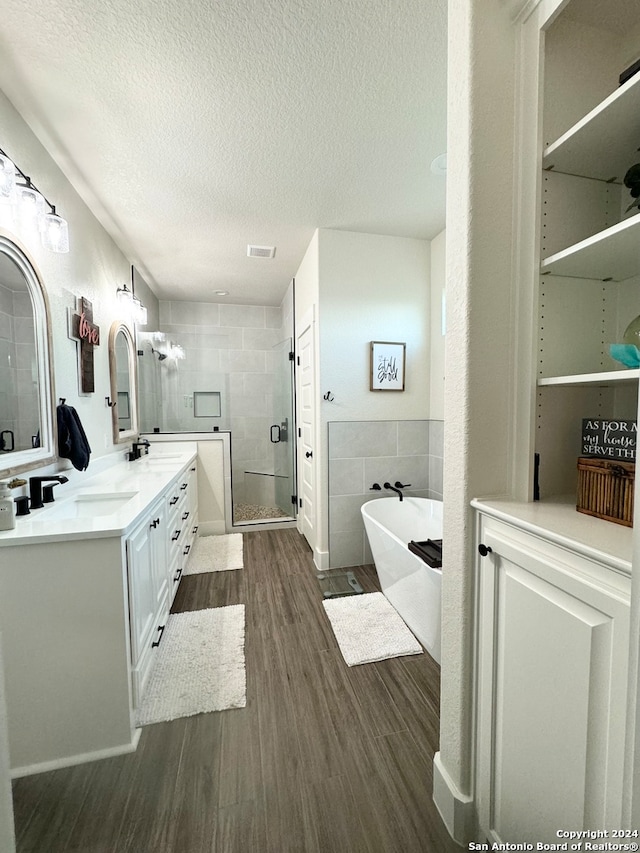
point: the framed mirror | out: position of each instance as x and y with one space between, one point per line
122 371
27 427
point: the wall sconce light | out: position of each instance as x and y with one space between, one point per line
131 306
20 199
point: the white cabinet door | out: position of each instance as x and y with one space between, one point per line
148 593
158 539
552 658
142 588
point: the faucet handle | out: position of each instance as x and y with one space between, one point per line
375 488
400 485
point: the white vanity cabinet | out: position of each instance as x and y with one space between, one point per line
552 653
83 602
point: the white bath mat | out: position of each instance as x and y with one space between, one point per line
215 554
200 666
368 628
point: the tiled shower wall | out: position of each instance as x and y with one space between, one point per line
362 453
228 348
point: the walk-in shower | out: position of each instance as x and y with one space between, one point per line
235 375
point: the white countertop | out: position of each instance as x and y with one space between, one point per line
99 506
558 521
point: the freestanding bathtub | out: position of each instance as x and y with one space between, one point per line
411 586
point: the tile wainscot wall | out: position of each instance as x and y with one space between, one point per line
362 453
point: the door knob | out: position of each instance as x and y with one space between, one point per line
483 550
308 454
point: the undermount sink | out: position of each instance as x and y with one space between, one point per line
91 505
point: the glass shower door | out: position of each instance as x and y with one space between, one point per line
282 433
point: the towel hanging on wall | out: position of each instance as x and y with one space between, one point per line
72 440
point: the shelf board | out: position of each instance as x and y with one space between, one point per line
603 144
610 377
610 254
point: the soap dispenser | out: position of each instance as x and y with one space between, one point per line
7 513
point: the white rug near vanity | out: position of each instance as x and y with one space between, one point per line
368 628
215 554
200 666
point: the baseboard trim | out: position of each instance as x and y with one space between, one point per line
456 809
321 560
72 760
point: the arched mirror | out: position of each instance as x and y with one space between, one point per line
27 432
122 369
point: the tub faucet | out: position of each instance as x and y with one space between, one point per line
35 489
394 489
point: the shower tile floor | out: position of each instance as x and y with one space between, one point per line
254 512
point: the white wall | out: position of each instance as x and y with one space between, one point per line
436 353
93 268
365 287
479 355
372 288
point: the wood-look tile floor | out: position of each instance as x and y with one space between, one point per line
323 759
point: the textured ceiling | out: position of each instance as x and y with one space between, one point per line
193 129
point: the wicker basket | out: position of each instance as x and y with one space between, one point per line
605 489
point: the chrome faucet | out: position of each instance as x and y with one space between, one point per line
35 490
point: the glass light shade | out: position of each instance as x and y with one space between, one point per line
7 180
125 297
31 205
139 312
54 233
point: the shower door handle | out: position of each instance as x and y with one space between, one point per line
275 427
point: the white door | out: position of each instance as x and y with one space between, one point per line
306 437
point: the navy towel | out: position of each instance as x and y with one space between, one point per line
72 441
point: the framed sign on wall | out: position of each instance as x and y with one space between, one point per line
387 366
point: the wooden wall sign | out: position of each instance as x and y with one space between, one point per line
87 334
609 439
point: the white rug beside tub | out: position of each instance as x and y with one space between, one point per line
220 553
368 629
200 666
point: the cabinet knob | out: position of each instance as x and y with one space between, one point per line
483 550
308 454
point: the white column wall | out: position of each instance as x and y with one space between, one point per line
479 352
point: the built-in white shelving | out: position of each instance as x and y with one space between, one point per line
609 377
603 144
612 254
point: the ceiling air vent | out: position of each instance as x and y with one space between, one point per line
261 251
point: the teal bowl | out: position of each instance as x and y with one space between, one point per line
626 354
